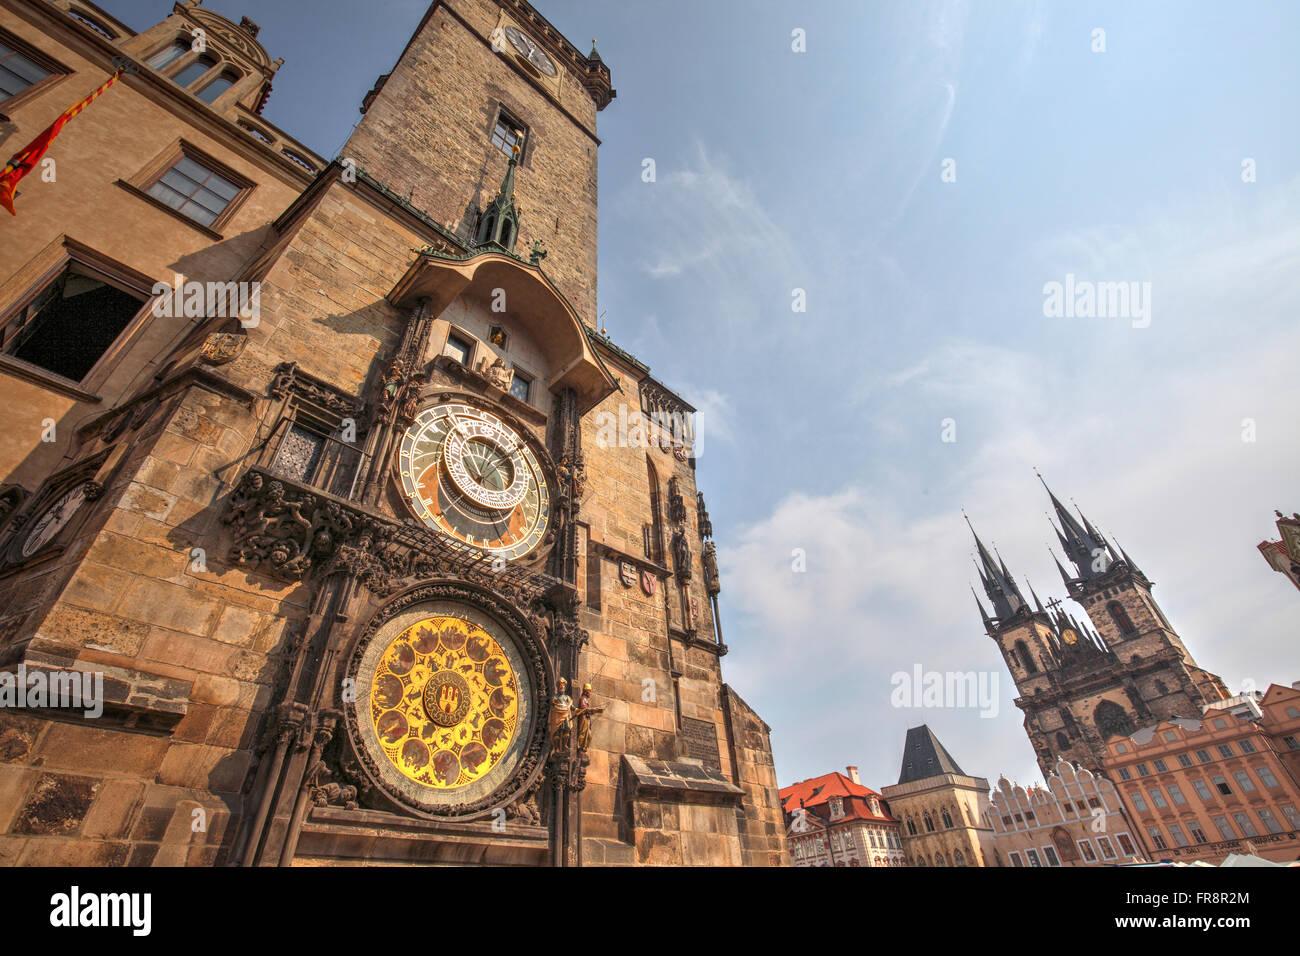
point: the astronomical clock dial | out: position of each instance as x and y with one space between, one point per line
472 477
54 520
1069 636
445 710
530 51
444 703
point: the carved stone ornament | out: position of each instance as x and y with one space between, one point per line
222 347
288 530
712 583
288 378
649 583
497 374
627 573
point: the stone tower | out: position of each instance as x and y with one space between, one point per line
1080 682
942 811
379 551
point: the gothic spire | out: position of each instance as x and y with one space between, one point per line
988 625
1087 550
499 223
998 584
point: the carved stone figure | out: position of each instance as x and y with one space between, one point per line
559 724
497 374
583 717
712 582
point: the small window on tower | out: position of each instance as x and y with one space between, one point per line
521 386
458 348
508 134
169 54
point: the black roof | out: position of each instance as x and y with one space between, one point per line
924 756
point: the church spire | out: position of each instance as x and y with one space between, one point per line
499 223
1087 550
998 583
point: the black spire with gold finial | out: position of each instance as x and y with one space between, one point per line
499 223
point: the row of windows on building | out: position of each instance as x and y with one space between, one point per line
1105 850
1013 821
843 841
1244 824
929 822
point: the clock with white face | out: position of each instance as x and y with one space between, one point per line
470 476
55 519
530 51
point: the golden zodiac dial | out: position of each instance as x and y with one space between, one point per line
445 702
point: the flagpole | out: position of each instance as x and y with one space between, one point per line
26 159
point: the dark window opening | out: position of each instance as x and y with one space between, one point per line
71 324
1120 617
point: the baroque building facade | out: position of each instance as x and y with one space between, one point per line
942 810
833 820
1081 682
360 566
1078 819
1225 782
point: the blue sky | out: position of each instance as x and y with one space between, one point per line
821 171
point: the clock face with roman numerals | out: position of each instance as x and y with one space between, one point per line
470 476
530 51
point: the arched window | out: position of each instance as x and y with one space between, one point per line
195 70
947 819
1062 741
655 538
1120 617
169 54
1112 719
1026 659
958 859
911 827
213 90
1161 689
939 860
929 823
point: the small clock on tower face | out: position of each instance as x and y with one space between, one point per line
530 51
1069 636
54 519
470 476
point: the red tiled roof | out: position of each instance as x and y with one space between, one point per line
817 791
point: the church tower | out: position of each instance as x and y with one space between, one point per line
345 503
1080 682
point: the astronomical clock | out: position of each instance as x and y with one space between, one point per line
470 476
449 688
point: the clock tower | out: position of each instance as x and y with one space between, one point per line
365 570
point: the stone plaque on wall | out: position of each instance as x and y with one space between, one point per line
702 741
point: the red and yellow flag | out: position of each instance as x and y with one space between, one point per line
25 160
